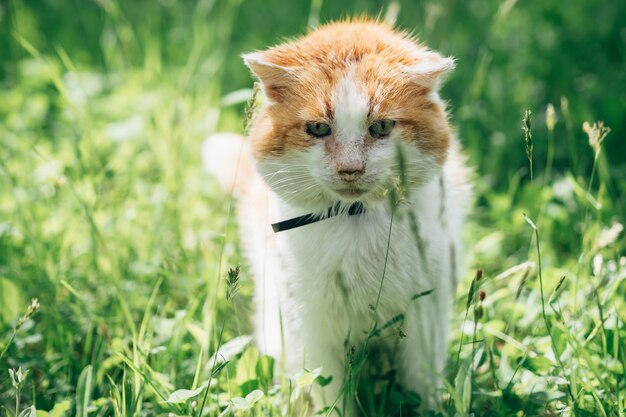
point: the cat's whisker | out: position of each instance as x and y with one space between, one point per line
298 192
290 177
284 170
290 184
303 187
271 175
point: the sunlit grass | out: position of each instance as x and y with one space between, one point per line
130 249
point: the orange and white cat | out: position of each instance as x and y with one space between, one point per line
352 109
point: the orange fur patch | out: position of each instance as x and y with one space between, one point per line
300 76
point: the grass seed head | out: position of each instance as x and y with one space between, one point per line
232 283
528 137
596 133
251 107
32 309
479 274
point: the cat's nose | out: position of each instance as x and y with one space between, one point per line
350 173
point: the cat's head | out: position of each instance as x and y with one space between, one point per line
342 103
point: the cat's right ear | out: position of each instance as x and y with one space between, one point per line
429 68
275 79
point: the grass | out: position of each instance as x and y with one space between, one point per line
141 299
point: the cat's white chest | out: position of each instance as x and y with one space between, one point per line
336 279
343 266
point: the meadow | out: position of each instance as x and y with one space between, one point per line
123 291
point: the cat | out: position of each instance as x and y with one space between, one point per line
354 137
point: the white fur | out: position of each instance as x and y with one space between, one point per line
328 274
429 67
351 106
218 153
315 284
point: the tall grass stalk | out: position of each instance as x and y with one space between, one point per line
547 323
596 134
214 367
30 311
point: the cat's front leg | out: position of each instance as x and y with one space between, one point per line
324 349
421 356
330 395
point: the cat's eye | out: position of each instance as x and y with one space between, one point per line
381 128
318 129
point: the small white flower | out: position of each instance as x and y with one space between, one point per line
609 235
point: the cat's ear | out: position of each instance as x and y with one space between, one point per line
275 78
429 68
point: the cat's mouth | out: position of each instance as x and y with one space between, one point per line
350 192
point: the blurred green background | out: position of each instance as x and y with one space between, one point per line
511 55
107 217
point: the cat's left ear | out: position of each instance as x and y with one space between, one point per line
429 68
275 78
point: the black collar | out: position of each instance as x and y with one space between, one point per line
353 210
